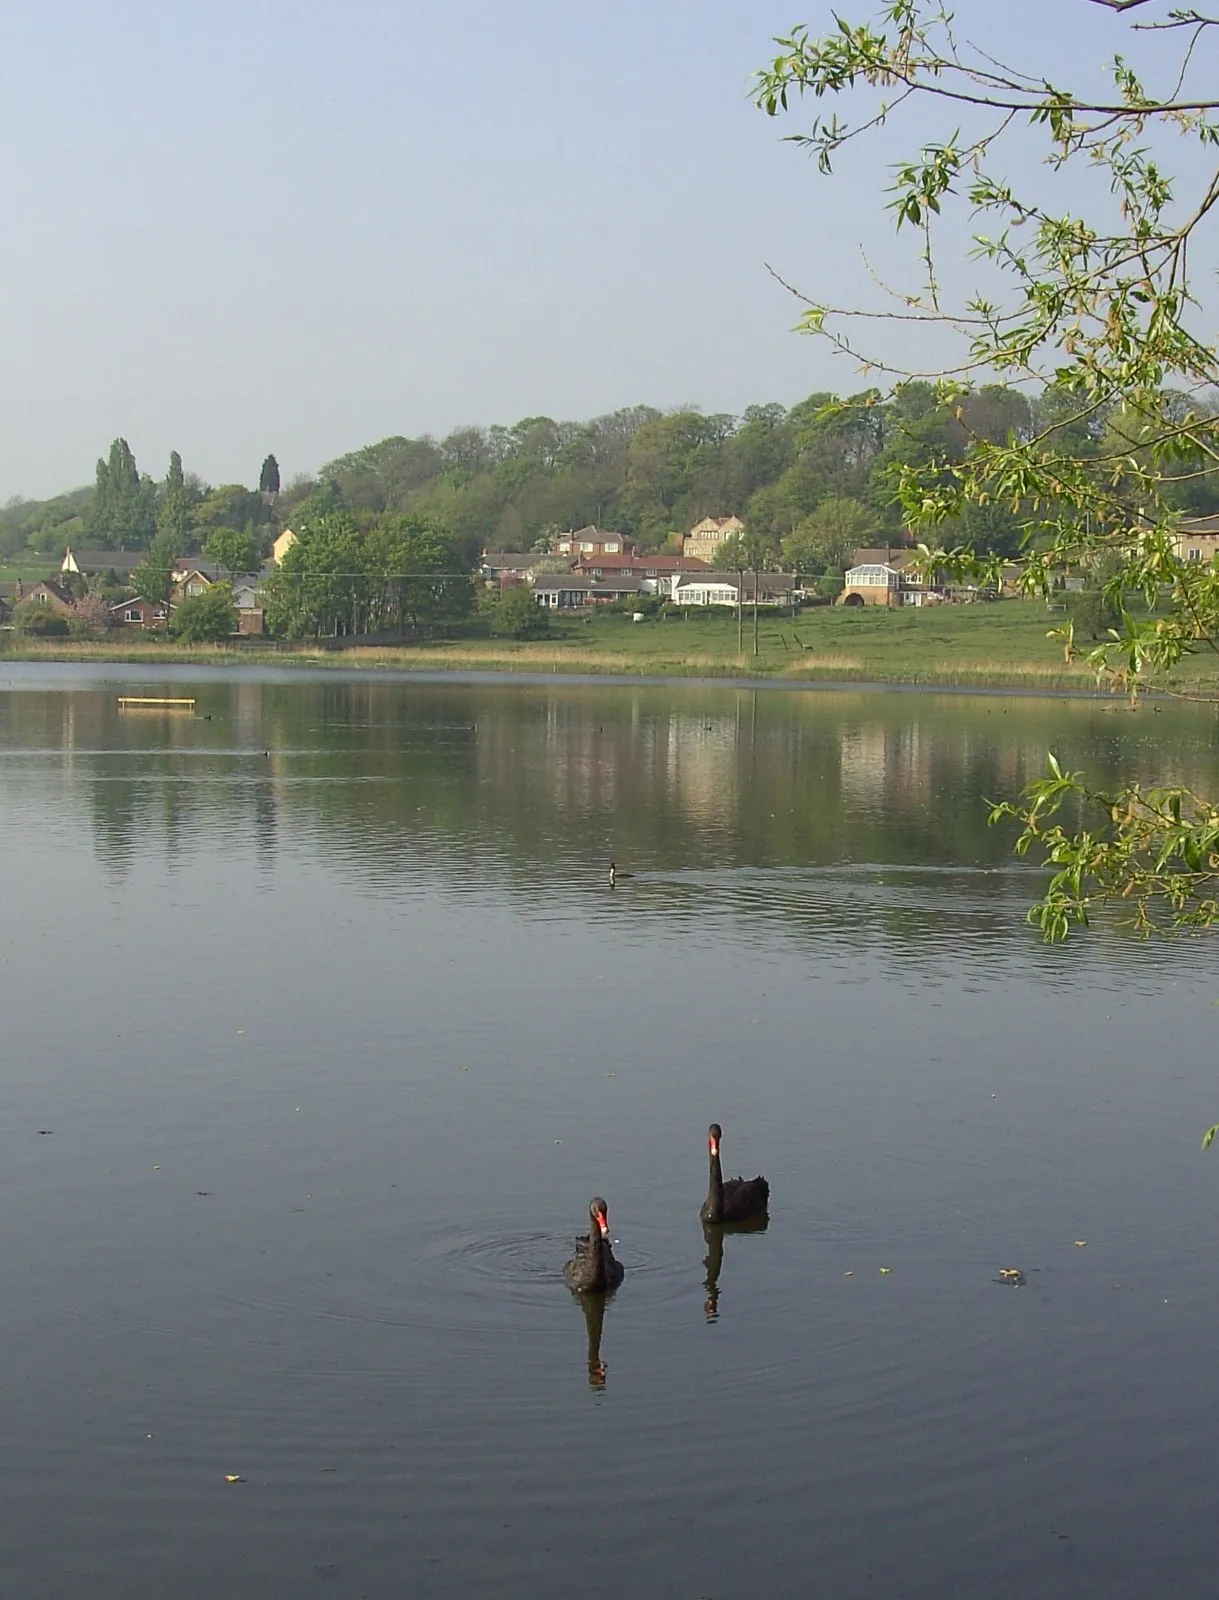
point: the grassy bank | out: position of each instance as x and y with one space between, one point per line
1000 646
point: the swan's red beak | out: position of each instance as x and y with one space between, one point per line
603 1224
715 1146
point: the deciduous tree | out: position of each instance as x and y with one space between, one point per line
1088 295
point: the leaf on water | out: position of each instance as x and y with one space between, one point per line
886 1269
848 1274
1080 1243
233 1477
1010 1272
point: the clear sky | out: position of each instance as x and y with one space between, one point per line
238 227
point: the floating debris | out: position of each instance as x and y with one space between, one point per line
1080 1243
1011 1275
886 1269
233 1477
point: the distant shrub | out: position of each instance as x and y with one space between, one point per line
40 622
1092 612
518 615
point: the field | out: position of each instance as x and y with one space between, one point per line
999 645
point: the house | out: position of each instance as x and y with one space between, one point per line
1197 539
871 583
137 613
6 611
190 582
89 563
507 567
593 541
888 577
723 588
705 537
282 545
657 572
46 592
898 556
251 618
568 591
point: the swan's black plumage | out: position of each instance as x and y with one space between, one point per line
738 1200
593 1269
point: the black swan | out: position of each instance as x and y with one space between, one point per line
593 1270
739 1199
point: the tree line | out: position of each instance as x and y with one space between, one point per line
811 482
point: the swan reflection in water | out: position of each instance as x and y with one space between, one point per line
713 1234
593 1307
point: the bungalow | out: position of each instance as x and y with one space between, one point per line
723 588
594 541
563 591
705 537
137 613
657 572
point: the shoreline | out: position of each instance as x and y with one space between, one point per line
387 666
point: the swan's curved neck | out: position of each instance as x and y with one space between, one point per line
715 1188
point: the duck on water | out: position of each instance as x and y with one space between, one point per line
738 1200
593 1269
615 876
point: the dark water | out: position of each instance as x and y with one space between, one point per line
336 1026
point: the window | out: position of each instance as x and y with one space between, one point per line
650 573
132 615
1195 555
611 548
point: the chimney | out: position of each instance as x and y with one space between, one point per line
17 590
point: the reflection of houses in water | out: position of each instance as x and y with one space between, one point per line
247 709
862 765
702 767
885 763
570 762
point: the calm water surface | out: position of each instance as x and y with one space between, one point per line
333 1026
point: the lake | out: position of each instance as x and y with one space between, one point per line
322 1024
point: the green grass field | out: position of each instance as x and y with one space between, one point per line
1004 645
29 571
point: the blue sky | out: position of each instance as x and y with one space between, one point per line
233 228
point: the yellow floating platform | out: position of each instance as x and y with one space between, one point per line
140 702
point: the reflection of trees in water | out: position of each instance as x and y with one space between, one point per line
531 785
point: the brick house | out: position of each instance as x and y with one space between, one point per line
705 537
594 541
46 592
137 613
